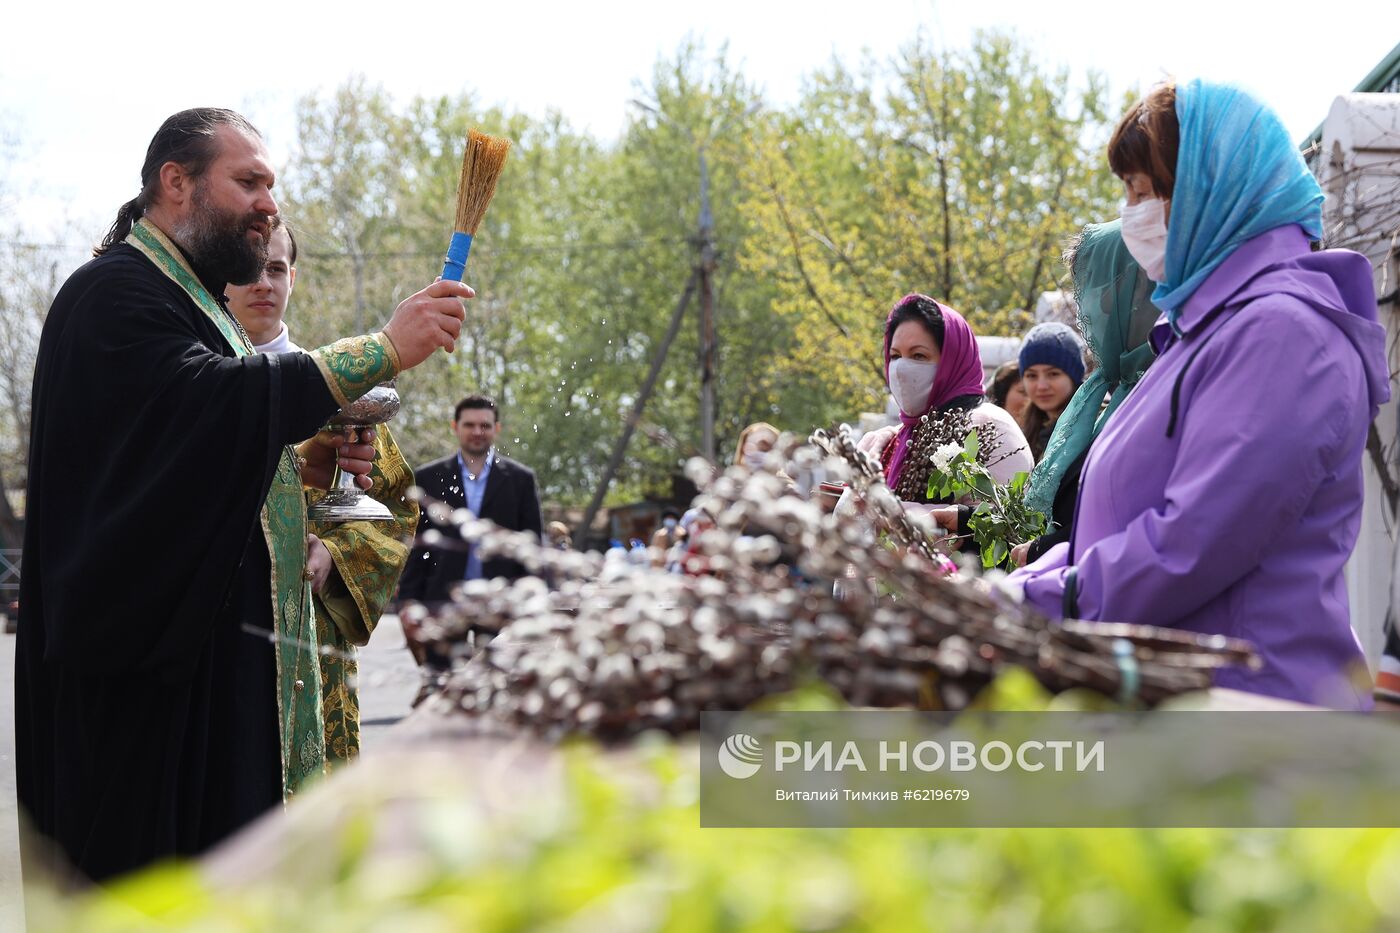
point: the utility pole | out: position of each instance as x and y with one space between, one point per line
639 406
705 273
702 281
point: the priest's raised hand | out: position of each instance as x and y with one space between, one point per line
427 320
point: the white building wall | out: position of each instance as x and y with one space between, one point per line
1359 169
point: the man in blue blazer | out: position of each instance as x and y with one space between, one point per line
480 479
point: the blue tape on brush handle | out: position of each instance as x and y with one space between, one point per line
455 265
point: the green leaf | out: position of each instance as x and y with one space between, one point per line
970 445
810 695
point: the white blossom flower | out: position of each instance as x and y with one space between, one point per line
944 456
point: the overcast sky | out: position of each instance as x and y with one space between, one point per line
83 86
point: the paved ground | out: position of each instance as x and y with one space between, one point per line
388 683
11 900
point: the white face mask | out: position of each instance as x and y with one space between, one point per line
755 459
1145 235
910 384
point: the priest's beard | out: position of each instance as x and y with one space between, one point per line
217 243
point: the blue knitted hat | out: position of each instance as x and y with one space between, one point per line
1054 344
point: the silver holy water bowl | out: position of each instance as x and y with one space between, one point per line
344 501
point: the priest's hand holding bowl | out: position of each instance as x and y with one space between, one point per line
352 449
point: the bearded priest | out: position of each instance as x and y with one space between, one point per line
167 687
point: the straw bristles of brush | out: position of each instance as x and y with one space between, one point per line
481 168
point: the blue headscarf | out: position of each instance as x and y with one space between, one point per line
1238 175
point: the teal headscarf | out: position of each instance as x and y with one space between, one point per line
1116 317
1238 174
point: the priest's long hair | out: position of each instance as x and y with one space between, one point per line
189 138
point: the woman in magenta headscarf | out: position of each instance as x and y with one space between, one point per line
932 367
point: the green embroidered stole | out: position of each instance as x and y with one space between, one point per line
284 528
369 557
351 367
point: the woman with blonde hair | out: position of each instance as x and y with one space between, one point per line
755 442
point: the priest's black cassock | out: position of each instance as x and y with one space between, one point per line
146 714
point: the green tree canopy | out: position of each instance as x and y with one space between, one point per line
953 173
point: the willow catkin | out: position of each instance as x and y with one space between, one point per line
613 650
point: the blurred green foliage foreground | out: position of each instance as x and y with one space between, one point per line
612 841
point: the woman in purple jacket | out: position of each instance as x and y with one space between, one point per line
1225 495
